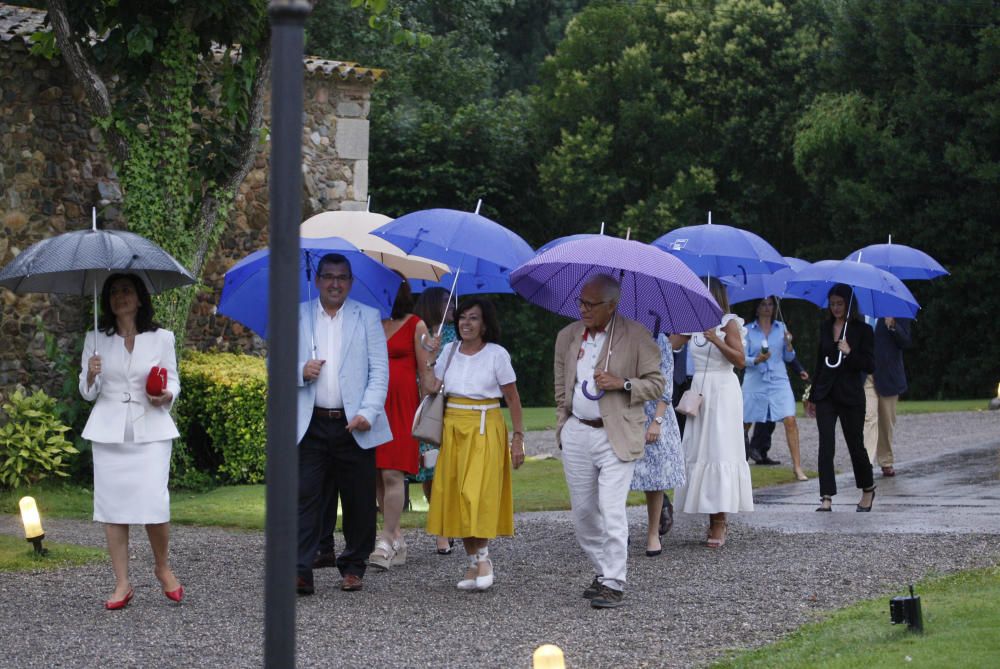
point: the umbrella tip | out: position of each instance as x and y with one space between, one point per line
479 204
710 217
602 227
368 205
93 225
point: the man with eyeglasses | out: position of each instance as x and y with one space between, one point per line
343 377
601 386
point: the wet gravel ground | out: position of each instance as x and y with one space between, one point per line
684 608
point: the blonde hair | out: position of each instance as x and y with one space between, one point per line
718 291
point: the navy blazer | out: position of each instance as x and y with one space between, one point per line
890 377
844 384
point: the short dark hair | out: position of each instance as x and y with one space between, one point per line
334 259
491 333
403 304
143 319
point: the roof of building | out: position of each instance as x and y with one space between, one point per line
20 23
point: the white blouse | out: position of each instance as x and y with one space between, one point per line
477 377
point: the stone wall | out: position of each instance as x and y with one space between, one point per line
53 170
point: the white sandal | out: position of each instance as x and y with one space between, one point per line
399 547
484 582
382 556
470 583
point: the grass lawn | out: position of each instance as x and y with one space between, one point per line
16 554
539 485
544 418
961 619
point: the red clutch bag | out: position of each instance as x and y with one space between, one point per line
156 382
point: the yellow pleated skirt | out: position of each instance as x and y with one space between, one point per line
471 495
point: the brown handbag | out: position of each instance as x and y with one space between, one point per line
428 421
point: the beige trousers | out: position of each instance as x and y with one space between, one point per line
871 417
886 426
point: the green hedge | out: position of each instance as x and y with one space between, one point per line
221 415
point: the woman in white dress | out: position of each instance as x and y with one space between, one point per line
130 431
718 478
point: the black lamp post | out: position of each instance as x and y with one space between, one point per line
281 527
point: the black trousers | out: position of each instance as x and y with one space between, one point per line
331 462
760 440
852 424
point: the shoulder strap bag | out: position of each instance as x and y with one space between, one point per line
428 421
690 402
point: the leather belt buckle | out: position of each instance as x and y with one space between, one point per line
126 397
596 423
335 414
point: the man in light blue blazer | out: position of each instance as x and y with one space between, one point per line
343 379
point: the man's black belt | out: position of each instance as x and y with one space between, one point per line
336 414
597 422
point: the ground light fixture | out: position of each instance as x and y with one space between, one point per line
33 531
906 610
995 402
548 657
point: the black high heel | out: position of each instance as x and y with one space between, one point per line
825 498
866 509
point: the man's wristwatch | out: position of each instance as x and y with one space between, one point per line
627 386
658 420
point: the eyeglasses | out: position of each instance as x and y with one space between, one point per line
584 305
335 278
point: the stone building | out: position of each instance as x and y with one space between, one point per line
53 170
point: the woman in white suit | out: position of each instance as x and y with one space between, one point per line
131 432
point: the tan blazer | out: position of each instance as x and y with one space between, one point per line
634 356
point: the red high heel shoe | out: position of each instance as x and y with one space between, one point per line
121 603
175 595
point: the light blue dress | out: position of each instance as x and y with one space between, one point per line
662 464
767 393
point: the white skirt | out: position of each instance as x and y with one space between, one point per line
130 482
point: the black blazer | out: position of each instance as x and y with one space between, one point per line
890 377
844 384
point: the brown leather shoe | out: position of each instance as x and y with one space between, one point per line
351 583
304 586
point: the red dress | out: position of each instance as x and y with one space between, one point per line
403 452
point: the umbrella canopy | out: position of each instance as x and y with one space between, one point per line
78 262
462 240
468 284
356 227
721 250
245 288
759 286
657 289
876 292
900 260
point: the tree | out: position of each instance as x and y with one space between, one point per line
904 142
181 118
656 111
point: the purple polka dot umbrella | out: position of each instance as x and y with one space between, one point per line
658 290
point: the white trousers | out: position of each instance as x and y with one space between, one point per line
598 489
871 417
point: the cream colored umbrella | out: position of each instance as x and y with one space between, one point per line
356 226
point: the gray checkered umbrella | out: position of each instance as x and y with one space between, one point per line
77 263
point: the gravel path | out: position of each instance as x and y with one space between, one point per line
685 608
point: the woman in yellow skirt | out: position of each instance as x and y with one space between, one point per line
471 497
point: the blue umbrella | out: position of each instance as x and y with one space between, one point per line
468 284
245 288
876 292
759 286
900 260
721 250
465 241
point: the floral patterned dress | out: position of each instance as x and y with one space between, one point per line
662 464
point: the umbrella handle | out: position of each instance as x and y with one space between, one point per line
834 365
586 393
